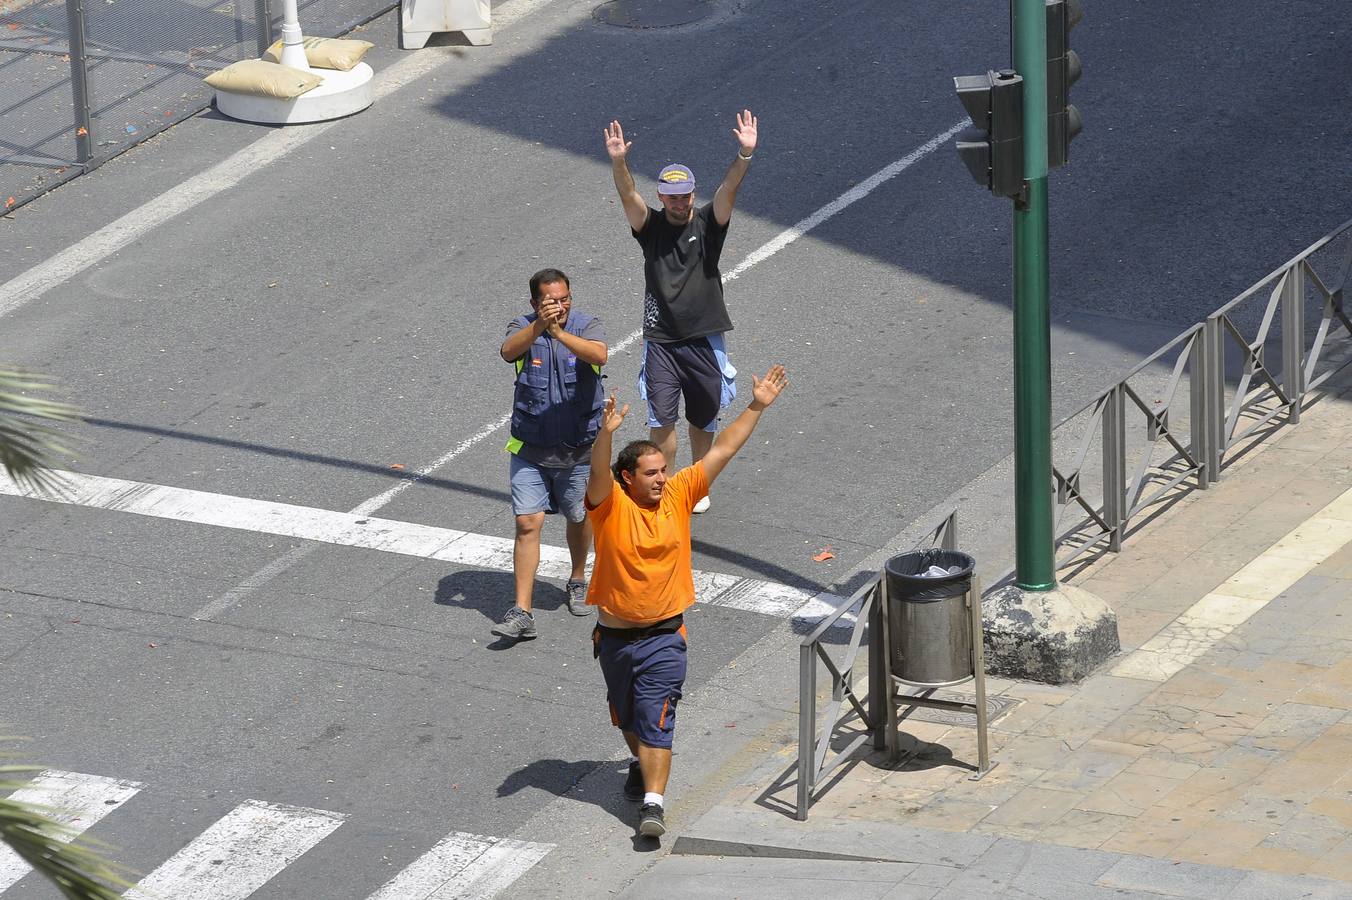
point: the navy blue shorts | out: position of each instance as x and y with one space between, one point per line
643 682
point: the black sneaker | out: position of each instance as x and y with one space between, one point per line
517 625
650 822
577 598
633 785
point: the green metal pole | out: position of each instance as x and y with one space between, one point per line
1034 565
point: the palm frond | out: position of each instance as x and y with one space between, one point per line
27 439
79 870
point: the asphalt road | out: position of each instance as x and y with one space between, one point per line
336 313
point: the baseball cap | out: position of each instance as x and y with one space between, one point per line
675 179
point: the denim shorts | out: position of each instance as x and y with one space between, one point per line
543 489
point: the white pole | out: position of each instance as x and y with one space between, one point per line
293 49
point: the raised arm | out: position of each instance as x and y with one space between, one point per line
519 341
635 209
730 439
726 195
593 353
601 481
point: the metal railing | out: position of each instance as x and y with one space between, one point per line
82 81
817 755
1179 436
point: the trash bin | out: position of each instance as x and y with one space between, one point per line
930 624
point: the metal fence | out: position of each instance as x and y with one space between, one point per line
1200 401
827 742
83 80
1182 414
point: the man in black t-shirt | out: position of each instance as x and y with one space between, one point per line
684 316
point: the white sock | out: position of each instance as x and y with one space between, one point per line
633 760
650 797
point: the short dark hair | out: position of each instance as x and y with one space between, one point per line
627 461
546 276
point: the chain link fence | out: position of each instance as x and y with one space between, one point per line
83 80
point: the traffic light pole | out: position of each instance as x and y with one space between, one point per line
1034 565
1022 125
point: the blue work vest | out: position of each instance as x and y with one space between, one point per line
559 398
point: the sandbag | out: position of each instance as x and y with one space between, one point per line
260 78
326 53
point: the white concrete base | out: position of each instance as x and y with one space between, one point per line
341 94
1056 637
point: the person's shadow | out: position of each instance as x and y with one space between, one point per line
594 781
492 593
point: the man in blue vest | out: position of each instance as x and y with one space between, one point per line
556 413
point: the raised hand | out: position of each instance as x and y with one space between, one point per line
551 314
612 418
616 146
766 389
745 132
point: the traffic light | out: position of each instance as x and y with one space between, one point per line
993 147
1063 70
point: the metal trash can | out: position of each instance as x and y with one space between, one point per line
930 622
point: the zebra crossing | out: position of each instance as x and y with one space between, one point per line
252 843
368 532
74 800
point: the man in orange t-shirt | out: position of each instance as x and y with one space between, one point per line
641 584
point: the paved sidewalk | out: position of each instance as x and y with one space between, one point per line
1212 758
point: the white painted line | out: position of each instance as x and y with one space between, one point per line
238 854
762 253
253 583
464 867
74 800
1209 620
854 194
221 177
367 532
110 239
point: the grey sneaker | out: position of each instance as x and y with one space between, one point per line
577 598
517 625
633 784
650 822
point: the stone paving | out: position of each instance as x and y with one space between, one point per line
1211 758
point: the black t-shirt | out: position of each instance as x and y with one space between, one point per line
683 289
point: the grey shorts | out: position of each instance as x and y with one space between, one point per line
698 370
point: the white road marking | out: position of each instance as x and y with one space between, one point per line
1209 620
253 582
388 535
464 867
760 254
221 177
238 854
65 265
77 801
853 195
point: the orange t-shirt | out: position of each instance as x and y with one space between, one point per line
642 568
